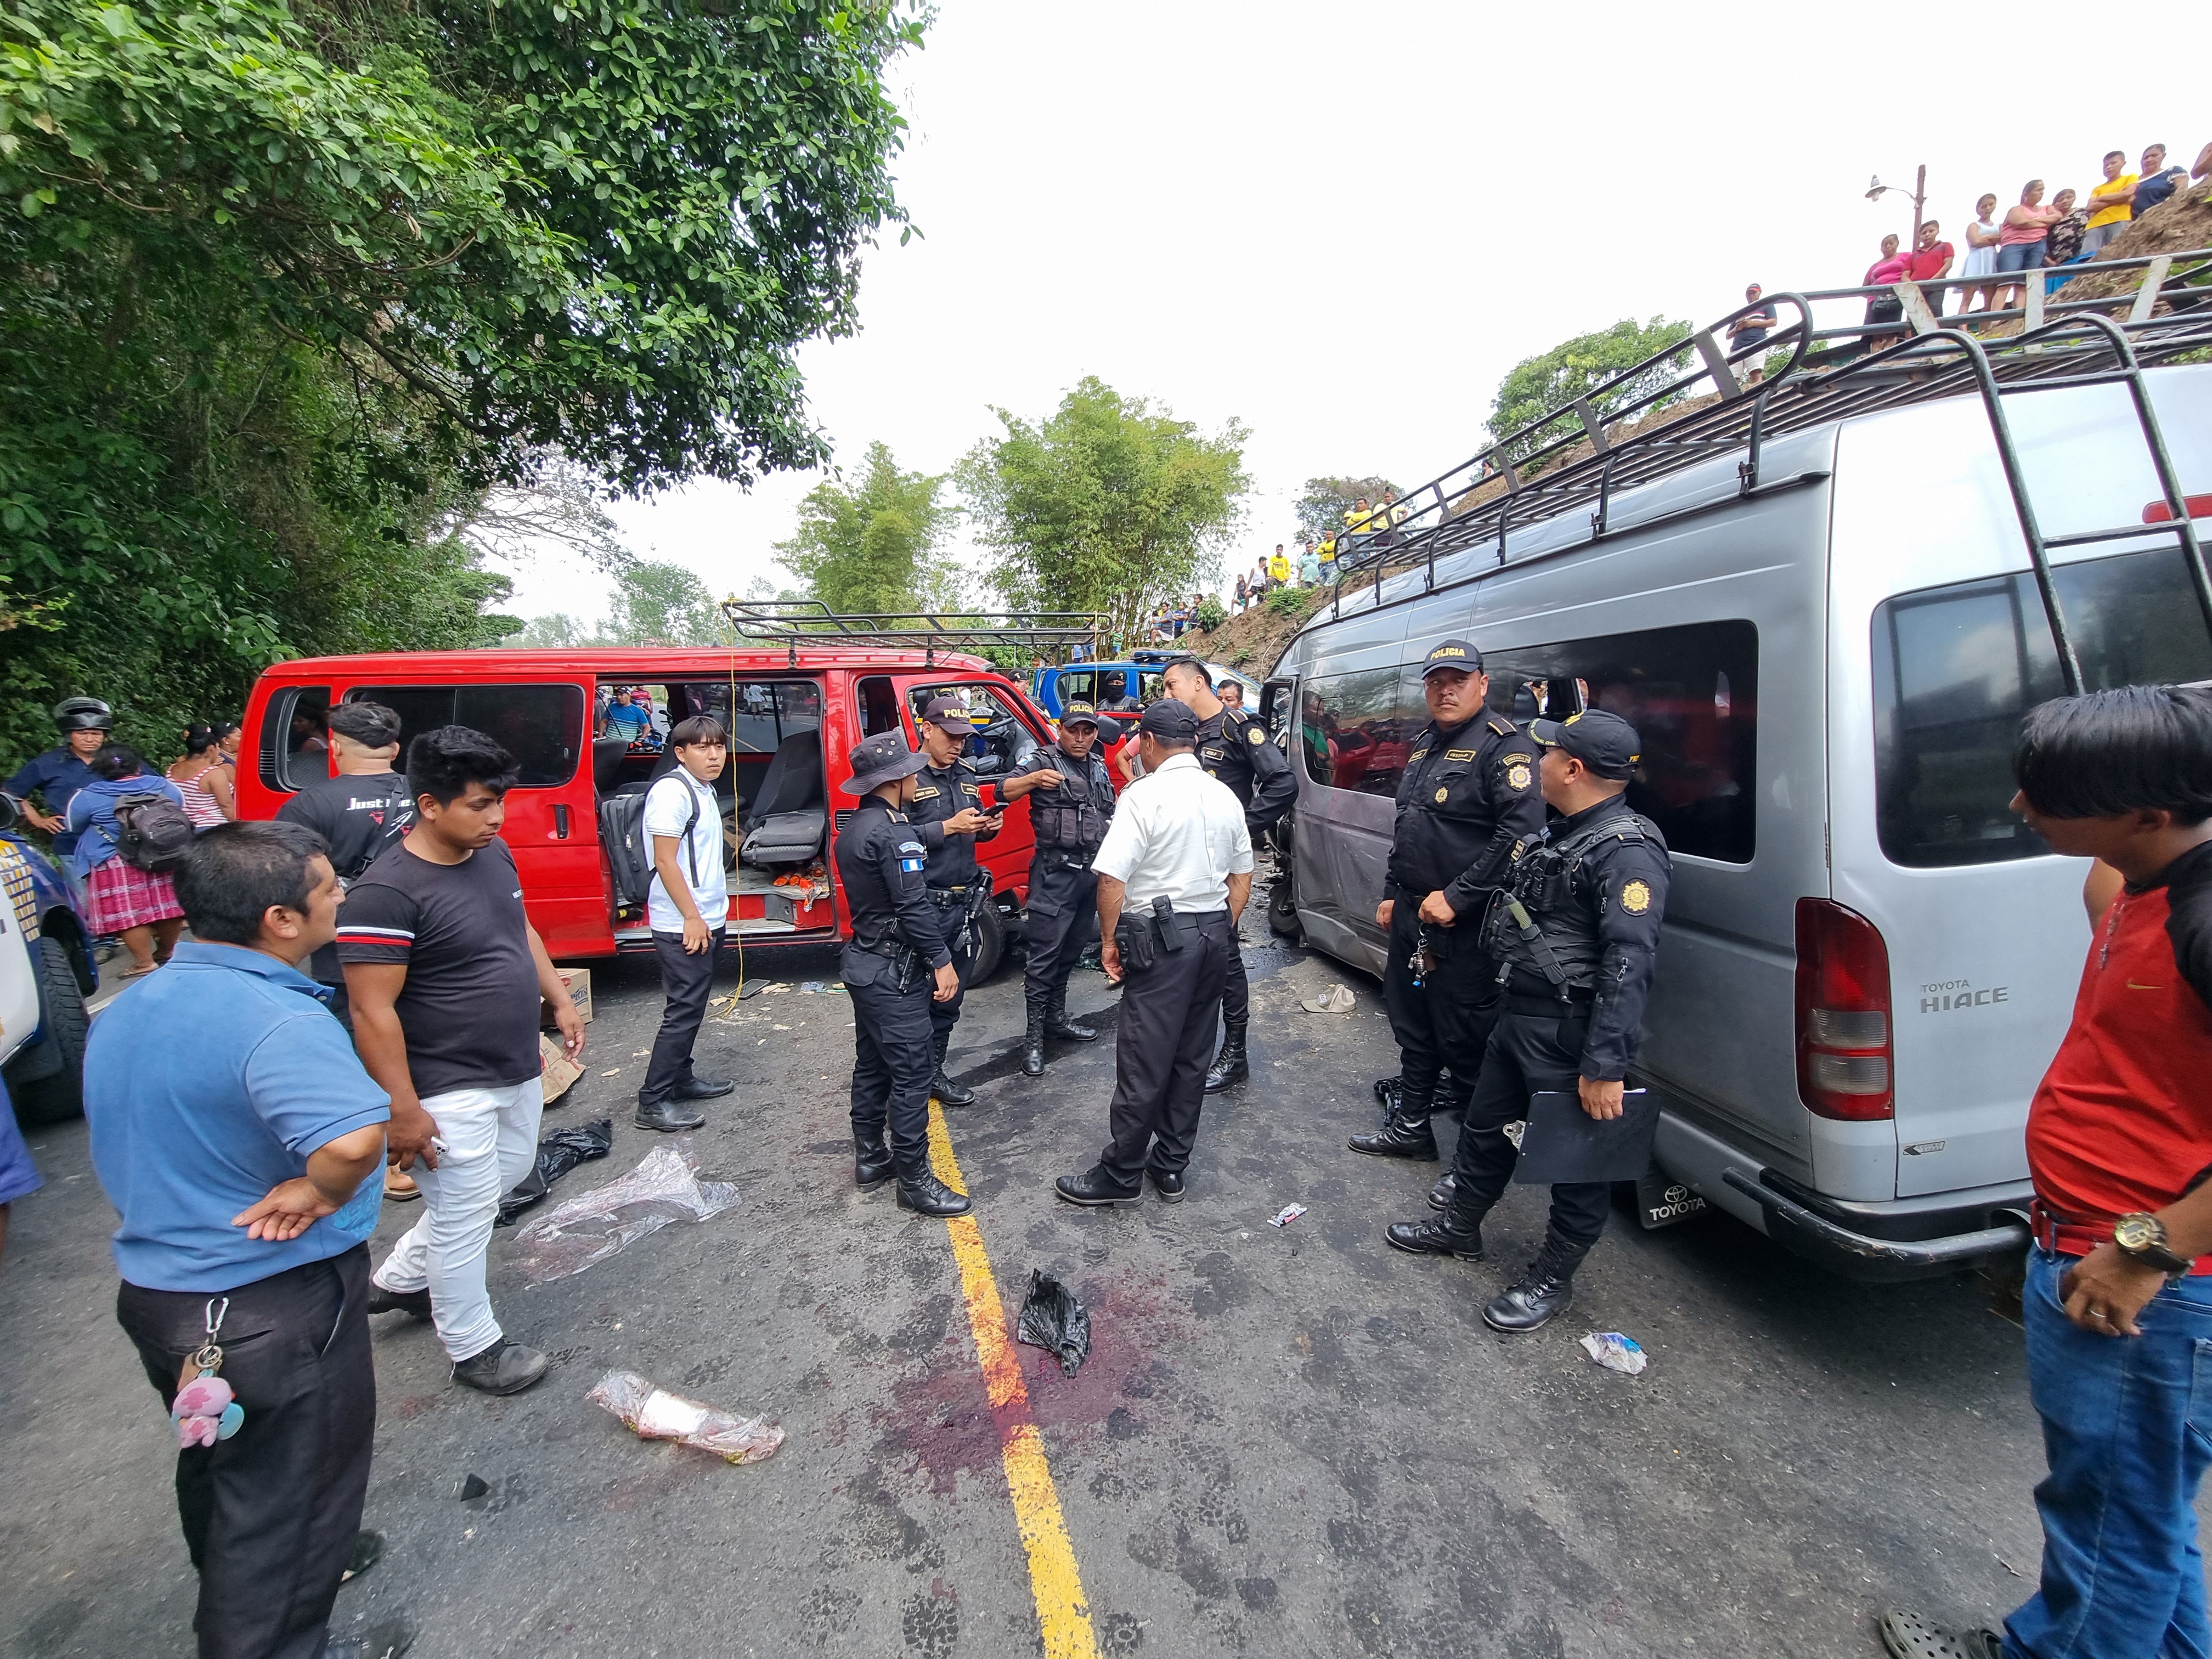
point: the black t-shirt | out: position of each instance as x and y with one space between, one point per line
359 816
470 1007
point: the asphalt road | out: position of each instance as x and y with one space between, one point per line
1291 1441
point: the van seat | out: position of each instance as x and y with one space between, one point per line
607 755
788 819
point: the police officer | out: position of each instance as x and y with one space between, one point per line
948 814
1072 801
1467 796
54 776
897 967
1233 749
1575 973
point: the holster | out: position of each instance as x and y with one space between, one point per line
1138 944
1163 919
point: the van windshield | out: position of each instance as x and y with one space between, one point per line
1956 669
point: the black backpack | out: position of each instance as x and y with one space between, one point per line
629 849
152 833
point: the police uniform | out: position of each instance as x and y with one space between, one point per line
1068 820
888 967
1576 978
1468 797
958 888
1233 749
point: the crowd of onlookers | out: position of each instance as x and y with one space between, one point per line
1369 526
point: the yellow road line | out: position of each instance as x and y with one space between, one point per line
1062 1612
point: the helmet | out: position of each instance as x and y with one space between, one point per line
84 714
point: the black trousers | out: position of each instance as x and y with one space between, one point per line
687 983
892 1062
270 1514
1063 919
952 910
1529 1053
1236 987
1163 1046
1447 1019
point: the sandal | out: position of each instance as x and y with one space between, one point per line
1908 1636
135 972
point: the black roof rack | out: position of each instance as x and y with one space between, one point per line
1907 356
811 621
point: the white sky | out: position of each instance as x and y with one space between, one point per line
1342 225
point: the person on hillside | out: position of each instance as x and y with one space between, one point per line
2021 242
1747 333
1981 255
1928 263
1325 551
1884 307
136 905
2112 204
1391 513
1243 593
203 780
1278 568
2062 246
2156 182
1310 568
1359 526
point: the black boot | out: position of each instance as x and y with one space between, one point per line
1406 1134
1538 1299
1229 1066
943 1088
1434 1238
871 1161
920 1190
1033 1046
1057 1023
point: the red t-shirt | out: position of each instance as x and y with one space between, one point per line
1924 262
2123 1119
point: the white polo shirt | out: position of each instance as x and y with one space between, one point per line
1179 833
667 808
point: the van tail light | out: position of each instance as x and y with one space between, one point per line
1844 1054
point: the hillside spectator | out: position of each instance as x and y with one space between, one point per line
447 976
2111 203
1259 581
1747 333
1981 255
1325 550
2156 182
121 898
2062 247
1279 569
2021 242
1243 592
1395 513
238 1138
1928 263
1310 568
1358 521
1884 307
203 780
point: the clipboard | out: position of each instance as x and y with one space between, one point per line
1563 1143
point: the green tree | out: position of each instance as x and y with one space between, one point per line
1571 368
871 546
1108 504
1320 508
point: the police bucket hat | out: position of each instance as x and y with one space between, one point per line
1605 743
1452 653
949 714
882 759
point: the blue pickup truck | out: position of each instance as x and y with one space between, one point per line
1105 683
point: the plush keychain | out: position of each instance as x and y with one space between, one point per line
204 1410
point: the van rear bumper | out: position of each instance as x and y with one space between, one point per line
1992 1233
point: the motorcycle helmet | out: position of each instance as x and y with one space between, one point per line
84 714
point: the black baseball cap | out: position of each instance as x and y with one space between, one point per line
1170 721
1605 743
948 714
1075 710
1452 653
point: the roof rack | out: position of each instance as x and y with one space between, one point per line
1905 356
811 621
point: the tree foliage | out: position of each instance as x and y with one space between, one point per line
1322 504
1108 504
652 603
1573 368
873 545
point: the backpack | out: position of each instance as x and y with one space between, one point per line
629 849
152 833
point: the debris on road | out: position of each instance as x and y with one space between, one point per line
1054 1320
471 1487
815 988
1615 1352
653 1413
594 1225
1287 1214
557 1153
1333 999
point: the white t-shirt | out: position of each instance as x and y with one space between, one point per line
667 807
1179 833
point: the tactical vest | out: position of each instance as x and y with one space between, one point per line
1072 817
1558 890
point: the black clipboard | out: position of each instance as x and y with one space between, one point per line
1563 1143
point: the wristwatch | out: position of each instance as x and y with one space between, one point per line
2142 1238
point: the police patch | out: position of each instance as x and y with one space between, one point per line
1636 898
1443 794
971 789
1459 754
1256 735
925 793
1516 775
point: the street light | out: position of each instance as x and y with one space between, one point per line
1876 190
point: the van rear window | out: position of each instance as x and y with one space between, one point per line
1956 668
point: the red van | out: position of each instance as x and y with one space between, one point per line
793 714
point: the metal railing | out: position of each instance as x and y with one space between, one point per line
796 622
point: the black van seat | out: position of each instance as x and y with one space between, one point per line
607 755
787 820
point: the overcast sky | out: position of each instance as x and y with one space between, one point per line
1343 225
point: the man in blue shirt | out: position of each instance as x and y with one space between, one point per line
239 1141
624 719
62 770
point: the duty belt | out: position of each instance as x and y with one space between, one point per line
946 895
1188 921
1567 1007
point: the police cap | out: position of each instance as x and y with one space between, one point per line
1605 743
1076 712
948 714
1452 653
1170 721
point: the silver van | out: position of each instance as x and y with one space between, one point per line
1824 610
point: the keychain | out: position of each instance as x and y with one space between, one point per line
204 1410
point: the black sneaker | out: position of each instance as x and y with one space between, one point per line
503 1368
381 1301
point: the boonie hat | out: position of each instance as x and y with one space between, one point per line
949 714
1605 743
1170 721
1452 653
882 759
1076 711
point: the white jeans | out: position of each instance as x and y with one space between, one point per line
490 1142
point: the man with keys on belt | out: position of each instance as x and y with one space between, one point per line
947 813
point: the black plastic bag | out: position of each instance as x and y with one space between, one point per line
557 1153
1054 1320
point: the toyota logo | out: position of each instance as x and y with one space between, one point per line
1677 1194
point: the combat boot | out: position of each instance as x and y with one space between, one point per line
871 1161
943 1088
921 1191
1537 1299
1033 1046
1405 1134
1057 1023
1229 1066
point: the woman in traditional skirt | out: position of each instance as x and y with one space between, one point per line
123 900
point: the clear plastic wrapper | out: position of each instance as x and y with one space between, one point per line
653 1413
592 1227
1615 1352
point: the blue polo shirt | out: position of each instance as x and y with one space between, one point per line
206 1085
54 777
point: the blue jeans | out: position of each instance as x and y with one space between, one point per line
2022 256
2125 1422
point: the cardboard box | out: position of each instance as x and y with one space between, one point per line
560 1074
579 982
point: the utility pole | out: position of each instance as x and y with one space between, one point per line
1876 190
